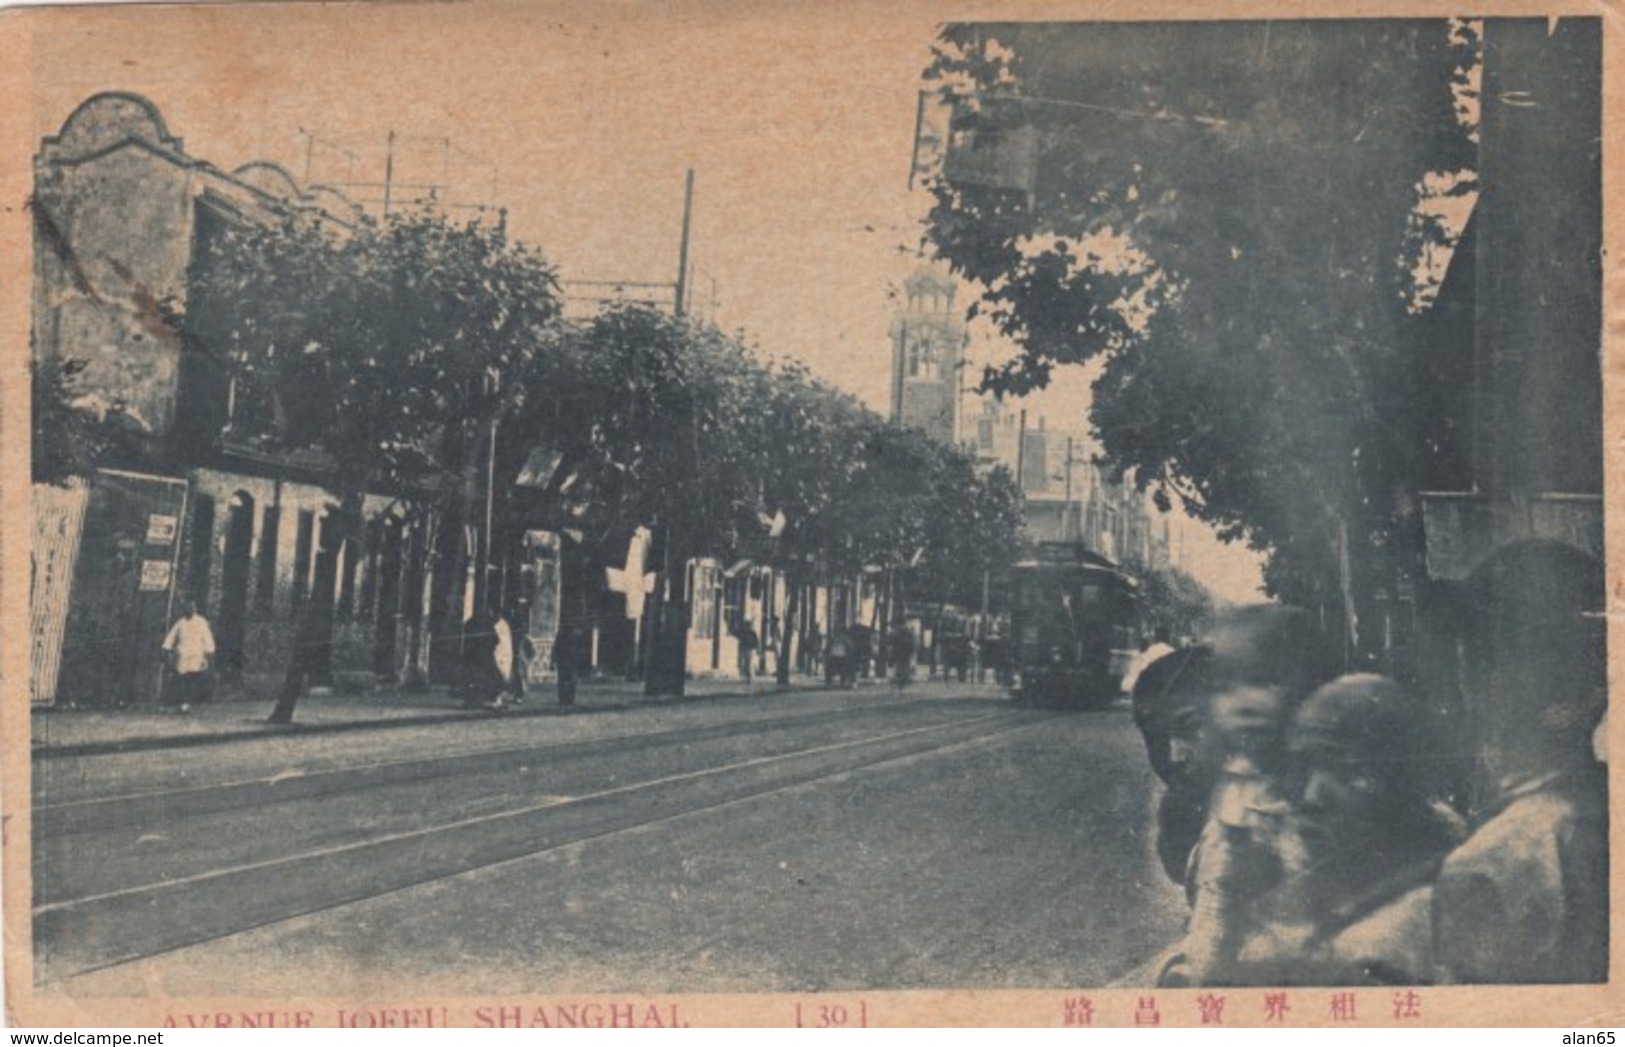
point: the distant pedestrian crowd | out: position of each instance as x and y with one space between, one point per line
1343 830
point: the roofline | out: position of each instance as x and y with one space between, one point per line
172 149
143 101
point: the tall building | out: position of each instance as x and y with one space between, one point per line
1000 428
928 355
1067 496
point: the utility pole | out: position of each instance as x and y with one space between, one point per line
1066 518
680 307
666 657
1094 512
482 584
1021 453
389 170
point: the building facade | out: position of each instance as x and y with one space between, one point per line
210 509
123 219
1511 352
1068 497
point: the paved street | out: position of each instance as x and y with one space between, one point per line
791 842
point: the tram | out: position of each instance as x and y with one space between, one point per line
1072 625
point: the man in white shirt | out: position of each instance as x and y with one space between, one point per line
190 647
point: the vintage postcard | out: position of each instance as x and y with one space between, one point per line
864 514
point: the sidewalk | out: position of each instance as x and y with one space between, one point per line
89 732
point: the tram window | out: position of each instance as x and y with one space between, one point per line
1036 595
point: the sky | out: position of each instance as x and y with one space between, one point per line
797 120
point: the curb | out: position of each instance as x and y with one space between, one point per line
151 743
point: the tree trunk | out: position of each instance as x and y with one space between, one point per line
446 598
311 657
666 668
787 629
666 657
573 589
770 581
934 657
418 573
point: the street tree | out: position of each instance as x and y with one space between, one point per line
544 470
385 346
1227 232
663 399
1173 603
919 512
643 419
974 530
804 445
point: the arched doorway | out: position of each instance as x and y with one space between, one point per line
200 550
236 565
388 611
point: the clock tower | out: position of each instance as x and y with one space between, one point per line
928 354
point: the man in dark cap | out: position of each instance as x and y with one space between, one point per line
1358 845
1525 899
1372 836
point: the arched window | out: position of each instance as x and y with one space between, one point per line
922 357
265 583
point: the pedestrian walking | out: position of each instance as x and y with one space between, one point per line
811 650
189 646
900 650
996 657
956 654
524 653
840 664
745 635
482 682
505 657
862 639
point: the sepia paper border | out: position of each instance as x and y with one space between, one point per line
1567 1006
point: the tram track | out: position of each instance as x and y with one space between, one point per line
81 933
172 835
54 818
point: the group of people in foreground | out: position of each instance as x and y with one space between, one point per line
1341 831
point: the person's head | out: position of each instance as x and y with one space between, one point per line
1356 751
1171 698
188 607
1243 729
1263 662
1535 669
1268 645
